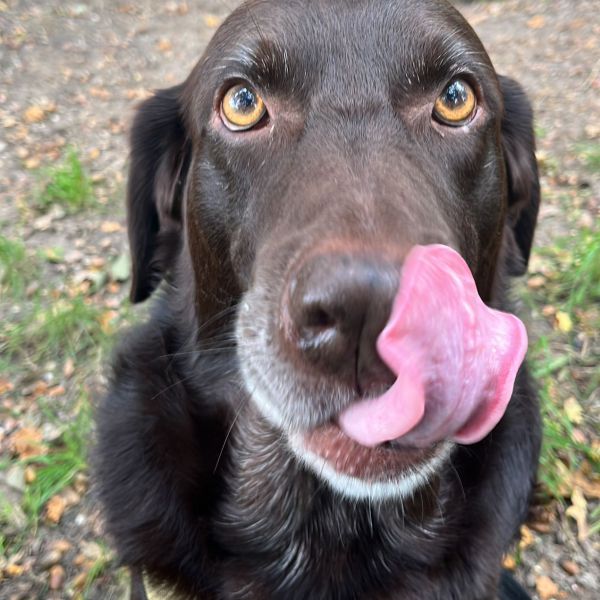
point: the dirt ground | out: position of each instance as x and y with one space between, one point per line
71 74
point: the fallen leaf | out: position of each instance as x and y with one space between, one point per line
110 227
30 474
563 321
56 577
589 485
68 368
55 509
32 163
62 546
57 390
97 262
6 386
100 93
14 570
27 442
536 282
34 114
106 321
78 582
509 562
527 538
212 21
164 45
578 512
120 270
569 567
536 22
573 410
546 588
549 310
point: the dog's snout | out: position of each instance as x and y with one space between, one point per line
336 306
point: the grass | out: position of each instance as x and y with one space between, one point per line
68 327
574 289
58 468
67 185
16 267
590 154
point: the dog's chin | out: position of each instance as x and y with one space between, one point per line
387 471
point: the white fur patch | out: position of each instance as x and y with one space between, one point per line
348 486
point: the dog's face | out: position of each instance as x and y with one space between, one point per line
313 145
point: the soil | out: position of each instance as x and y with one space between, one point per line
88 64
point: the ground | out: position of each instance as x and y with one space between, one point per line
71 75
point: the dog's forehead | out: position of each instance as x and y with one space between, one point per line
401 35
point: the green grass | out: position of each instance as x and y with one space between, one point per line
58 468
16 267
590 154
68 327
575 289
67 185
99 566
582 277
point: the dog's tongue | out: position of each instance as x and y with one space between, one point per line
455 359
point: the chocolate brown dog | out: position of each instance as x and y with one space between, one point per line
276 194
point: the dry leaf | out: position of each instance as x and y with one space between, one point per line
69 368
34 114
570 567
110 227
573 410
56 578
563 322
527 537
57 390
27 442
62 546
509 562
212 21
549 310
55 509
6 386
546 588
164 45
590 486
101 93
106 321
536 22
536 282
14 570
578 512
30 474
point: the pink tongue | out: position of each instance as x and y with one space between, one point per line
455 359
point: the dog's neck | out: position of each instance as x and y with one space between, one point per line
278 515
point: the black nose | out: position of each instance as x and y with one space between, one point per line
337 305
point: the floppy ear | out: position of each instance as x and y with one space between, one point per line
160 156
518 144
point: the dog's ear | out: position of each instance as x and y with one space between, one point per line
518 145
160 156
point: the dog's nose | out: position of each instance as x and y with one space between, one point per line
337 306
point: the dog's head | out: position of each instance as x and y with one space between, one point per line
312 146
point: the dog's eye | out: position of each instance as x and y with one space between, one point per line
456 104
242 108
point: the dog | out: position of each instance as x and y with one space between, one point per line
273 198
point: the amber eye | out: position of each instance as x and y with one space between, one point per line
456 104
242 108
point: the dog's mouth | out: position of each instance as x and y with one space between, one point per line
386 471
370 464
